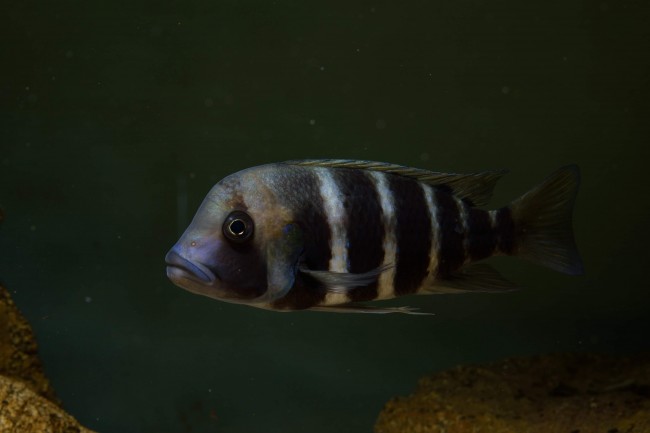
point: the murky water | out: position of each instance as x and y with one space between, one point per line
117 118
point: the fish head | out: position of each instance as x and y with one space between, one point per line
241 245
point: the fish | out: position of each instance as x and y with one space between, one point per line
333 235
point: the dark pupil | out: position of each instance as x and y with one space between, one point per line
237 227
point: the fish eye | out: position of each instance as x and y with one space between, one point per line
238 226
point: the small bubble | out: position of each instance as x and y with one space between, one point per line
27 88
424 156
192 175
209 389
69 54
322 68
32 228
505 90
119 236
88 299
28 144
208 102
312 122
380 124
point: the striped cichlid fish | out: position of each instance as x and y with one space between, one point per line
328 234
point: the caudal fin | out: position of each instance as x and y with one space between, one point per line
542 218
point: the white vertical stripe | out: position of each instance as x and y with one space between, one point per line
335 213
385 289
462 212
493 219
429 196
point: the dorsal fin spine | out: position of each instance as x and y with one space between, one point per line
475 187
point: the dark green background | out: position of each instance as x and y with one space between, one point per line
118 116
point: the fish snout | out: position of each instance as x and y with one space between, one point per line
179 267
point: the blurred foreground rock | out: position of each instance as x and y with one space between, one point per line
27 401
565 393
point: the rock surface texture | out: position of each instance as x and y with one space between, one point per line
27 401
565 393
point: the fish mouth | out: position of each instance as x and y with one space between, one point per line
196 271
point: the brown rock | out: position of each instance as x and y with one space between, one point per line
18 357
565 393
27 401
22 410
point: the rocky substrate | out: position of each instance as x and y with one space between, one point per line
27 401
564 393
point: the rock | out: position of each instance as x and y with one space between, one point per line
564 393
27 401
22 410
18 357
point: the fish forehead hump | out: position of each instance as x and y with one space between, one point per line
273 190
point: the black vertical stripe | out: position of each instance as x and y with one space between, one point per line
243 285
451 254
364 227
300 191
413 233
481 237
505 230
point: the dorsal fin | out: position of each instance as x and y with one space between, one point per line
475 187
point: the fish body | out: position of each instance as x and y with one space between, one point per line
329 234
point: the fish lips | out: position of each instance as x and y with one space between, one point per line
178 267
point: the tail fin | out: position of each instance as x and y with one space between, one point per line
542 219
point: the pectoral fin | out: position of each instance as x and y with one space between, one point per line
343 282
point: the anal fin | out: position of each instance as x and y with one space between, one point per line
358 308
472 278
